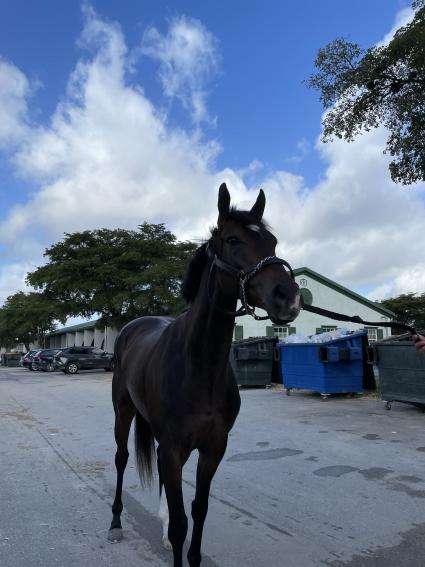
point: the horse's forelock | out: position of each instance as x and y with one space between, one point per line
248 220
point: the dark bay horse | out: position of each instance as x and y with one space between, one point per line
174 377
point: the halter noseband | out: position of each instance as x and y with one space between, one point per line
243 276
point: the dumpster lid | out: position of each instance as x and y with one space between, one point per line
254 341
404 339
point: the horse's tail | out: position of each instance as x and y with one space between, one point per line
144 443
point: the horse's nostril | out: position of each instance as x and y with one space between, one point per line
280 291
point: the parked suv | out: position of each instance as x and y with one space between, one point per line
26 360
45 359
73 359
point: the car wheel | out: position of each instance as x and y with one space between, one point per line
72 368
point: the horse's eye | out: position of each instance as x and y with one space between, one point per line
232 240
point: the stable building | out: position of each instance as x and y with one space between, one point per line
321 292
83 334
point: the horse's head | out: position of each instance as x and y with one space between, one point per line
244 252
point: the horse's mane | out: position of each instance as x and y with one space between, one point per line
192 279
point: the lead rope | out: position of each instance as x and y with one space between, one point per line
357 319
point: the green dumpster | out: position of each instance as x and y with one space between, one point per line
252 360
11 359
401 371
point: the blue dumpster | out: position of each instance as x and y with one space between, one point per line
333 367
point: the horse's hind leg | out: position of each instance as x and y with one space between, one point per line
207 465
124 414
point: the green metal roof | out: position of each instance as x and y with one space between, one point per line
74 328
345 291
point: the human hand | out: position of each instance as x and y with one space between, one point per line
419 341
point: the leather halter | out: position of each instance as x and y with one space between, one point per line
243 277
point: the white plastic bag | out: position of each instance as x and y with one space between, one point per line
316 339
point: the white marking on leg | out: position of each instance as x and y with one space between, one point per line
164 517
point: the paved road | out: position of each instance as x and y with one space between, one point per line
304 483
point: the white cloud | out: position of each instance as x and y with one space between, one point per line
188 57
12 278
254 167
303 148
108 158
411 280
402 18
356 226
14 92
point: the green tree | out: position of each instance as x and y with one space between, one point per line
26 318
118 274
383 85
409 308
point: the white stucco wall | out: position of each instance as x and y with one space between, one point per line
99 335
79 338
307 323
88 336
70 339
110 336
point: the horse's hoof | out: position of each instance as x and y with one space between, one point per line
115 535
166 543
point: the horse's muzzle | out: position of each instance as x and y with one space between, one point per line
284 305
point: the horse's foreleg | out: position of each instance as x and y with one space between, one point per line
163 507
123 419
207 465
171 472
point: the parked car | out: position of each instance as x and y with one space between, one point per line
26 360
73 359
45 359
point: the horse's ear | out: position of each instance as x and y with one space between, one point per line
257 210
223 203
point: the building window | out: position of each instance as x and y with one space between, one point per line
326 329
374 334
307 296
280 332
238 332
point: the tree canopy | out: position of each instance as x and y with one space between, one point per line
26 318
383 85
119 274
409 308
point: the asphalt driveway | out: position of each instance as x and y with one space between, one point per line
303 483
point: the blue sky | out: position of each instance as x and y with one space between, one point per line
266 50
125 112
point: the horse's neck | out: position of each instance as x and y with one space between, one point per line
209 329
